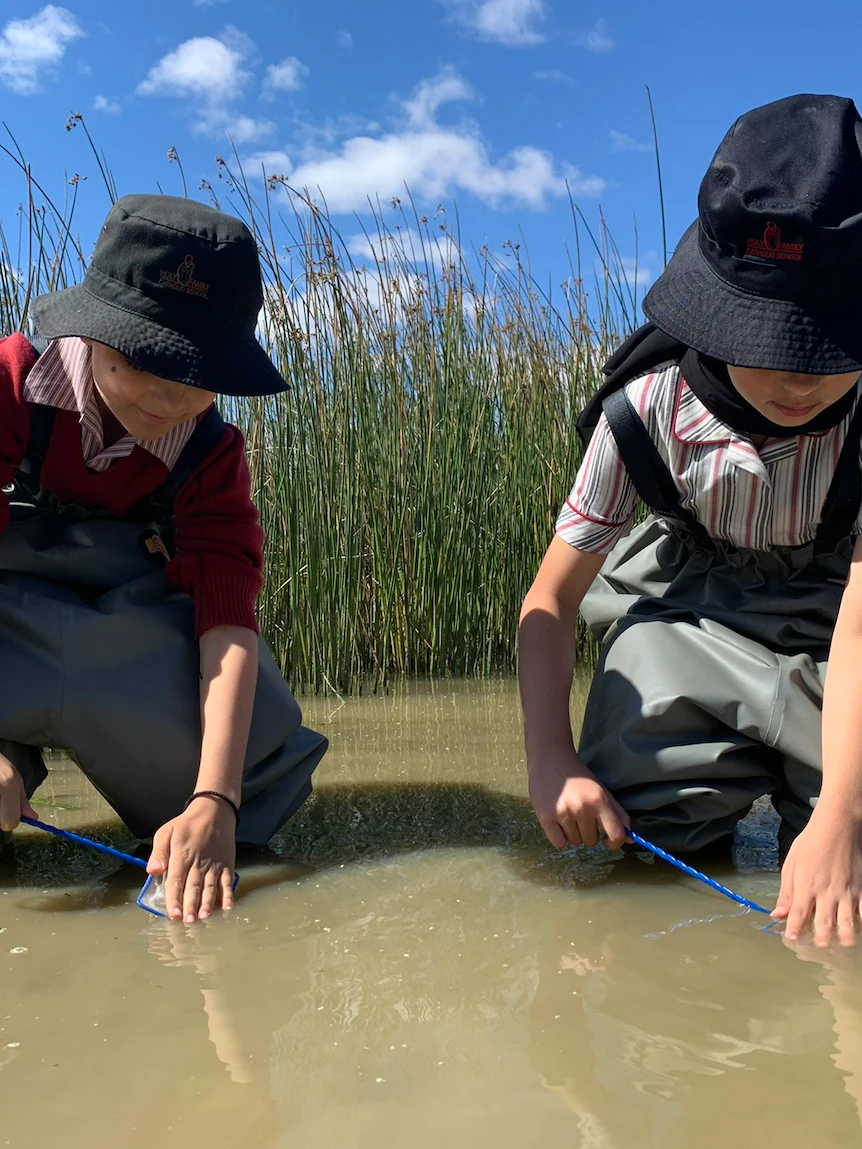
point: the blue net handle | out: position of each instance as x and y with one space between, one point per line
151 897
79 840
88 842
692 873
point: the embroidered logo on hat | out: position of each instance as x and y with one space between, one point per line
772 246
183 279
737 290
177 286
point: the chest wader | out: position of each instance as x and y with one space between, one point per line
100 659
709 689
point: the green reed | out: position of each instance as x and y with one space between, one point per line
409 479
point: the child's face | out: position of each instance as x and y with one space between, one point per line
146 405
787 398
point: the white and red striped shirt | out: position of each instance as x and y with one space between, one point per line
747 497
62 377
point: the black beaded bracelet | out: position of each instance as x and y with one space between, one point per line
213 794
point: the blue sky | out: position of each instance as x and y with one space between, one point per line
496 105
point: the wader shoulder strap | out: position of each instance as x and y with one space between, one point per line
158 506
646 468
29 471
647 350
204 438
844 498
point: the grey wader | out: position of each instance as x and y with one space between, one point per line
99 657
709 689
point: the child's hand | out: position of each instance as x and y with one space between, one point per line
572 807
197 850
822 878
13 796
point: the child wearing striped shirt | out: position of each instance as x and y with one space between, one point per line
734 415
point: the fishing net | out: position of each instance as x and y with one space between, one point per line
152 896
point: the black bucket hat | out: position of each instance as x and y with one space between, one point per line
176 286
770 275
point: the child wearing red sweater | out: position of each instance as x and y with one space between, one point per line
131 552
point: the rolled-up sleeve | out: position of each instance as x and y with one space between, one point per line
601 505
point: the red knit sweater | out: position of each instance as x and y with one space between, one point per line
219 540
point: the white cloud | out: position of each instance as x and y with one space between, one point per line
271 163
636 274
632 275
620 142
403 245
597 40
509 22
237 41
371 247
241 129
431 160
209 73
29 48
201 67
288 76
444 88
345 39
106 105
555 76
331 130
390 293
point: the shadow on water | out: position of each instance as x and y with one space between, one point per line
342 824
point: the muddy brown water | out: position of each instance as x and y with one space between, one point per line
416 968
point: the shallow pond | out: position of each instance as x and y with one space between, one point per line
418 968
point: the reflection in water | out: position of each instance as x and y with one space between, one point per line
417 968
188 948
842 989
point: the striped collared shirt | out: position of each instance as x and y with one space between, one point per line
747 497
62 377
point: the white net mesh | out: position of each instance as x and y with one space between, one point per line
152 896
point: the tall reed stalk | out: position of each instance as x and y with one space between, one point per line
409 479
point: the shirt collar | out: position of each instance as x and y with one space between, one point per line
62 377
693 422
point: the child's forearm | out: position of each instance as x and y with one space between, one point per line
841 789
546 663
571 805
547 645
228 660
